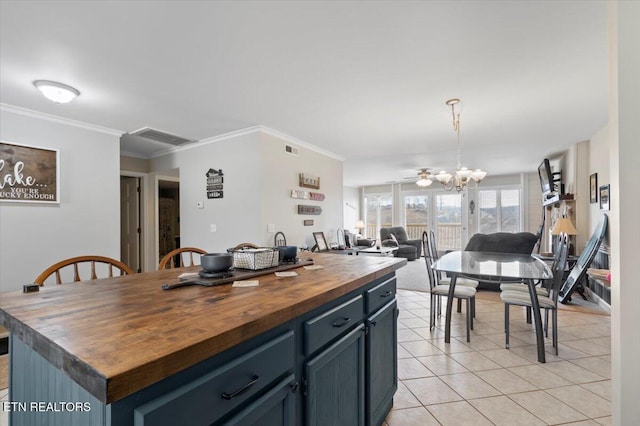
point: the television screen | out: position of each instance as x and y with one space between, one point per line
546 177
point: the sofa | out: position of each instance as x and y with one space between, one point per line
502 242
396 236
355 241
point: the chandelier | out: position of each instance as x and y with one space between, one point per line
463 177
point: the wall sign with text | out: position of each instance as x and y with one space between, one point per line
29 174
315 210
215 183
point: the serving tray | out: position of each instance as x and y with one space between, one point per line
237 274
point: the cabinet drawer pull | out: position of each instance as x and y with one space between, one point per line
342 323
387 294
243 389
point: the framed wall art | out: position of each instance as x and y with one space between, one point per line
605 197
29 174
593 188
308 181
321 242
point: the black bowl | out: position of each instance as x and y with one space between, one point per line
287 253
216 262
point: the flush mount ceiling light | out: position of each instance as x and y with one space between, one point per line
56 92
462 176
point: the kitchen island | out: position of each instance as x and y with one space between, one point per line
318 348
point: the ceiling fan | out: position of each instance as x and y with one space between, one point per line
425 178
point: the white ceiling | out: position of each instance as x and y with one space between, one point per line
364 80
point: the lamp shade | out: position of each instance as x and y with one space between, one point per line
564 226
359 224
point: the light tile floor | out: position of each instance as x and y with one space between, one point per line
481 383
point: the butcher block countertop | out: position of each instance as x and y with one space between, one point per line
115 336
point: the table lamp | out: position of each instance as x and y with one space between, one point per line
359 226
564 226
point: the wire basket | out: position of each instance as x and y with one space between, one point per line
255 259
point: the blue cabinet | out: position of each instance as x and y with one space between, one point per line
334 365
381 363
207 399
275 408
335 381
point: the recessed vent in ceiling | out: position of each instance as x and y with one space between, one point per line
160 136
291 150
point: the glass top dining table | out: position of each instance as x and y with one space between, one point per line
495 267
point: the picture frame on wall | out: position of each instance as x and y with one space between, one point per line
593 188
29 174
605 197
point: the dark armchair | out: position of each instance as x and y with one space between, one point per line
396 236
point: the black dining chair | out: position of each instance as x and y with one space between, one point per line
433 246
548 302
438 290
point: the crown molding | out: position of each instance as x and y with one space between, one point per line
113 132
298 142
60 120
133 155
248 131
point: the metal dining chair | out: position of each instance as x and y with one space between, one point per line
446 280
438 290
548 302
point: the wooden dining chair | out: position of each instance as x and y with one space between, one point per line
437 290
175 259
245 246
111 264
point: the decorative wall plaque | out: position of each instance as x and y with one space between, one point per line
308 222
215 183
29 174
308 181
316 196
314 210
299 194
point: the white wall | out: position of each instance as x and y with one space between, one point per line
624 109
351 198
258 179
280 174
87 220
598 163
237 215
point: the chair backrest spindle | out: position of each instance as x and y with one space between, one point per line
76 261
175 259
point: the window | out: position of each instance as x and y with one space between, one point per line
448 221
416 211
499 210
